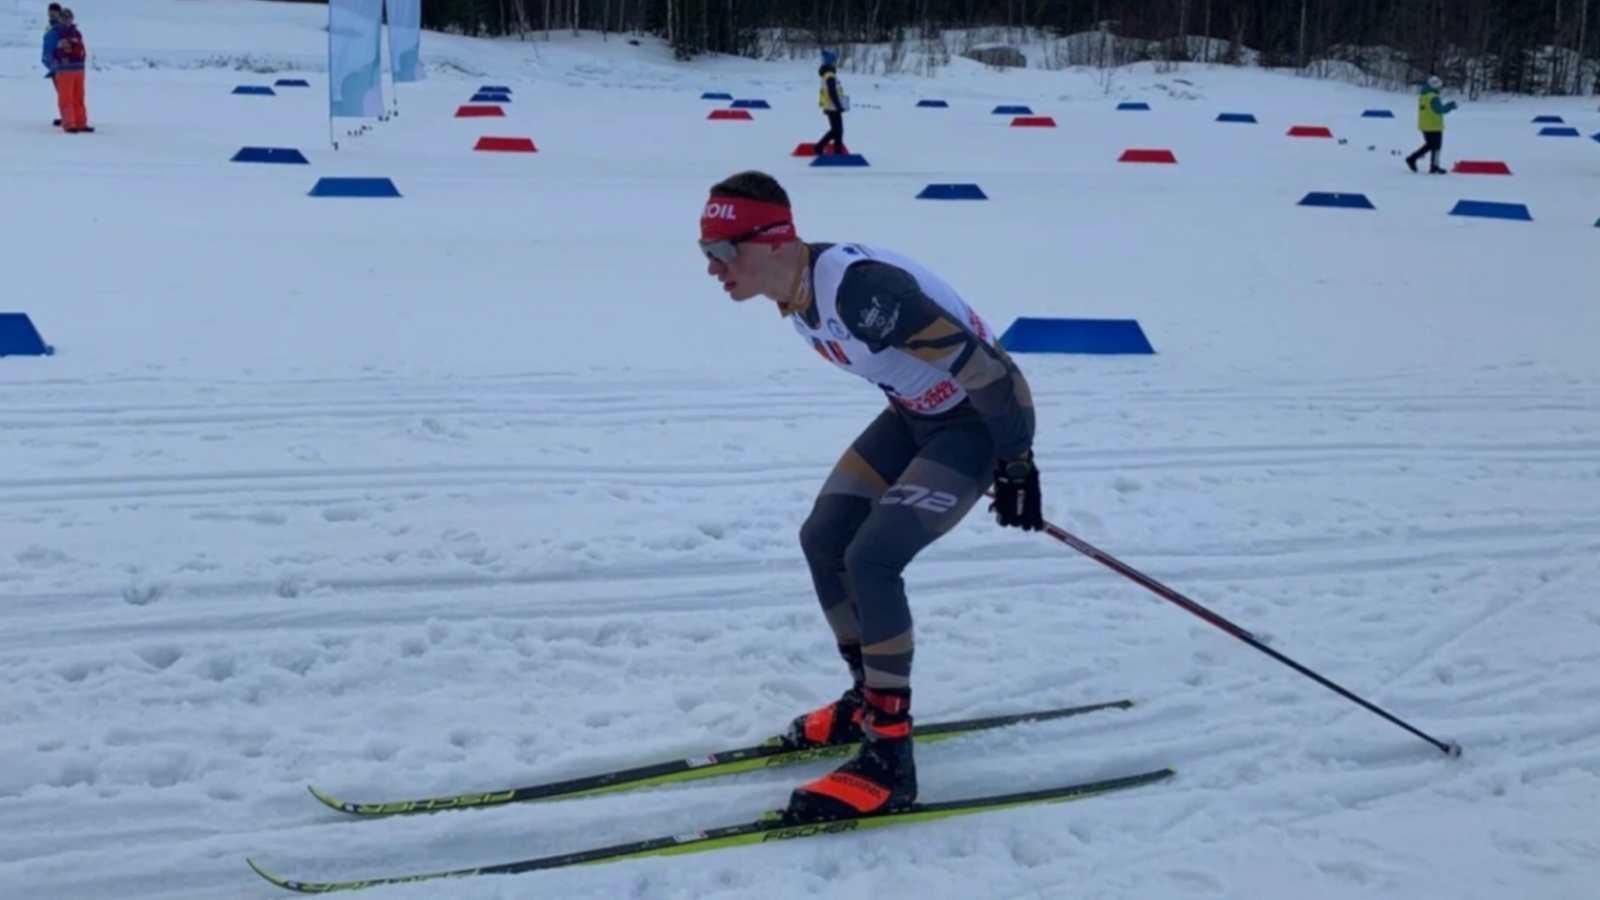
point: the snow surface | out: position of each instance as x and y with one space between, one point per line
489 485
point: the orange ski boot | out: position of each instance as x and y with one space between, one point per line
880 778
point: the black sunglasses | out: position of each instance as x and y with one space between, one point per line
724 250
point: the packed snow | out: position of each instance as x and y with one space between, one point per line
490 485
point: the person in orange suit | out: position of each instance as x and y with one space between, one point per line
66 55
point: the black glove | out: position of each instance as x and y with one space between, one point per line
1016 493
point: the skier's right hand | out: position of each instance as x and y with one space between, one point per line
1017 503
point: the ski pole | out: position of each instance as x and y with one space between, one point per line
1450 748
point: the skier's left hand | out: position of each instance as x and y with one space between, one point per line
1016 493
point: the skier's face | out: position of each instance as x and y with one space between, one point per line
743 269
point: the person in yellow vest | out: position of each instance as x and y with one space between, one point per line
1430 120
834 102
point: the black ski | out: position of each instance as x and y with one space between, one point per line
768 828
770 754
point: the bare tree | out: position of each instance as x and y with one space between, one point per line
1300 51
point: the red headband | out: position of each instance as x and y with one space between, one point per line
731 217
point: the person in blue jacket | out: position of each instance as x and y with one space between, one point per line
55 16
831 97
1430 120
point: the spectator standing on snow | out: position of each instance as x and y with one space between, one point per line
1430 120
834 102
65 54
55 16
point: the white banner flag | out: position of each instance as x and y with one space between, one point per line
355 58
405 40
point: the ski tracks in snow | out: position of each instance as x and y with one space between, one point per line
446 585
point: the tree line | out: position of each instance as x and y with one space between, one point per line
1516 46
